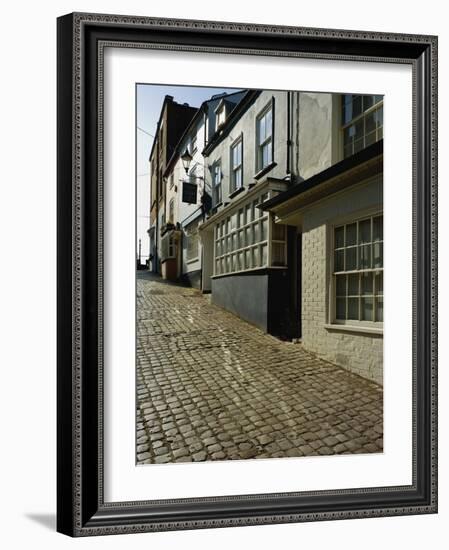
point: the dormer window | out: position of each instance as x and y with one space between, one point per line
220 114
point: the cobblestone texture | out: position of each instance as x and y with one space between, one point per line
213 387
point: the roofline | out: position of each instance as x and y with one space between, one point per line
239 109
166 100
201 108
369 153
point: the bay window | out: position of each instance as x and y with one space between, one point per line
248 239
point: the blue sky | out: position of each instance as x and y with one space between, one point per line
149 102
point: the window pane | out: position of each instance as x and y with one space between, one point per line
378 228
278 232
370 138
261 129
256 259
341 285
365 256
241 241
353 285
341 308
264 255
379 309
241 218
367 309
248 236
256 233
356 105
269 123
264 233
278 254
368 101
358 145
351 234
248 213
351 258
339 237
379 282
378 253
240 261
367 283
353 308
248 263
339 260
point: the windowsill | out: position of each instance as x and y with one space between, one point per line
236 192
355 328
252 271
265 170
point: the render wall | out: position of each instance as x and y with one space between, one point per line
361 353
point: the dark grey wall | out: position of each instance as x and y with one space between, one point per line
192 278
244 295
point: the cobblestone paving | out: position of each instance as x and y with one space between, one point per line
213 387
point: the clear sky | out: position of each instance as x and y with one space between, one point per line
149 102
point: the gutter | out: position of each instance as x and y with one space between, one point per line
369 153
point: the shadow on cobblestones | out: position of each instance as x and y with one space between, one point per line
212 387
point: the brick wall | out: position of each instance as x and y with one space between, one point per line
361 353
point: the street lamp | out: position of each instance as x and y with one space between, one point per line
186 158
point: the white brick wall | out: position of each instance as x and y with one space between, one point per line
359 352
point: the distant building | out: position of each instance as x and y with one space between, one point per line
188 192
173 120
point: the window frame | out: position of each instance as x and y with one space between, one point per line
259 167
232 186
225 233
350 324
171 211
360 117
217 164
220 110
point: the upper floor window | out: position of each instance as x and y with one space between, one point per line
237 165
358 271
171 211
220 114
264 136
216 183
362 121
193 144
172 180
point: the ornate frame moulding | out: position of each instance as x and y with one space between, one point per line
81 42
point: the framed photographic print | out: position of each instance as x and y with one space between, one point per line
246 274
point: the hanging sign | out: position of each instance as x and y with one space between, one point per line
189 191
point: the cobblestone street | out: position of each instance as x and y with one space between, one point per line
212 387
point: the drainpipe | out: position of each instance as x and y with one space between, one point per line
289 140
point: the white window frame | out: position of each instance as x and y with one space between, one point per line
171 210
239 167
355 325
259 146
192 234
231 243
220 112
215 165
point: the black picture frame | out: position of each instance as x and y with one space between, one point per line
81 510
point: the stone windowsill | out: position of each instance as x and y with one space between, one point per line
355 328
